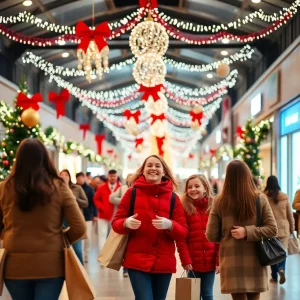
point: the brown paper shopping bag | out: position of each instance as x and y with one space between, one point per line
79 285
187 288
113 251
293 247
3 253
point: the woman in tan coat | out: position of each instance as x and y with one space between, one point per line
296 206
232 223
33 202
282 211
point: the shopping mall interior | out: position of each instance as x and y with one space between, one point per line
104 84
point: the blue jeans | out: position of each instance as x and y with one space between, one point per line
277 268
35 289
149 286
207 283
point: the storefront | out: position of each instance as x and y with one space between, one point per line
71 162
289 148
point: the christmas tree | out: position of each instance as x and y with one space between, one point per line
15 131
251 138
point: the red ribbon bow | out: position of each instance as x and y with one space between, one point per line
85 128
59 100
99 138
24 102
150 91
155 118
160 143
128 114
110 151
129 157
197 116
153 3
240 132
212 152
86 35
191 156
139 141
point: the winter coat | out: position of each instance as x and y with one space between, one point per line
296 206
240 269
101 201
80 196
196 249
116 197
284 217
91 211
33 239
149 249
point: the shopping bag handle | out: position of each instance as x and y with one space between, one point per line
187 273
66 242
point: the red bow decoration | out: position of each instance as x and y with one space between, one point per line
85 128
153 3
191 156
155 118
59 100
240 132
99 138
25 102
212 152
128 114
150 91
138 142
130 157
197 116
160 143
110 151
86 35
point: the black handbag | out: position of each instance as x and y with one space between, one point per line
270 251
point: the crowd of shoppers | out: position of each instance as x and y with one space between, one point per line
213 234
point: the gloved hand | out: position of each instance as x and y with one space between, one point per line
132 222
162 223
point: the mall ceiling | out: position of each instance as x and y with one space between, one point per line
69 12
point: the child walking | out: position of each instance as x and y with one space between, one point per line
199 256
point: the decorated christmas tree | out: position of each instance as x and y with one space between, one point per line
251 138
13 120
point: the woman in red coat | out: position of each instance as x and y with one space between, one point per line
150 256
196 252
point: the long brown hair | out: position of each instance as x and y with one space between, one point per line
239 191
168 173
33 175
188 203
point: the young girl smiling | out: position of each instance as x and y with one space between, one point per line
197 254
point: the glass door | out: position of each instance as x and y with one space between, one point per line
295 163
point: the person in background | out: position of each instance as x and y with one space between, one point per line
105 208
88 177
196 252
296 206
33 200
150 254
232 223
90 213
282 211
115 198
96 182
82 201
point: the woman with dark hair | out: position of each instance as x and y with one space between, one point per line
150 255
82 201
282 211
33 200
232 223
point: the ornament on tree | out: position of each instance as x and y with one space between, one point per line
240 132
30 117
5 163
223 70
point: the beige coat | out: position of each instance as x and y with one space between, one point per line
284 217
240 269
296 206
33 239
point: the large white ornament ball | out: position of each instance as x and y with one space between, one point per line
223 70
158 128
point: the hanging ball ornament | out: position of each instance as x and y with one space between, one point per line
149 70
157 107
5 163
30 117
223 70
149 37
158 128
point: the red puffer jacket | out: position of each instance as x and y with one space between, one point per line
196 249
149 249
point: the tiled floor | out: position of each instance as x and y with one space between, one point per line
110 285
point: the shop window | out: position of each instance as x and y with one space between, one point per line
295 162
284 164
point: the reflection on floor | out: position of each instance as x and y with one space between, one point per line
111 285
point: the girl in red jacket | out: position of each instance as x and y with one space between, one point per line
196 252
150 256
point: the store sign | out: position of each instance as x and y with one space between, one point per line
256 104
290 119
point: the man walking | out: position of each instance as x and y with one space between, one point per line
105 208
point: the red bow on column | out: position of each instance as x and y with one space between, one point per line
155 118
212 152
86 35
139 141
128 114
99 138
85 128
153 3
197 116
150 91
160 143
59 100
240 132
24 102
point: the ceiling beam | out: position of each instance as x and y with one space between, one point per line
9 4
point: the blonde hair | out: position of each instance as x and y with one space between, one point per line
188 203
168 173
